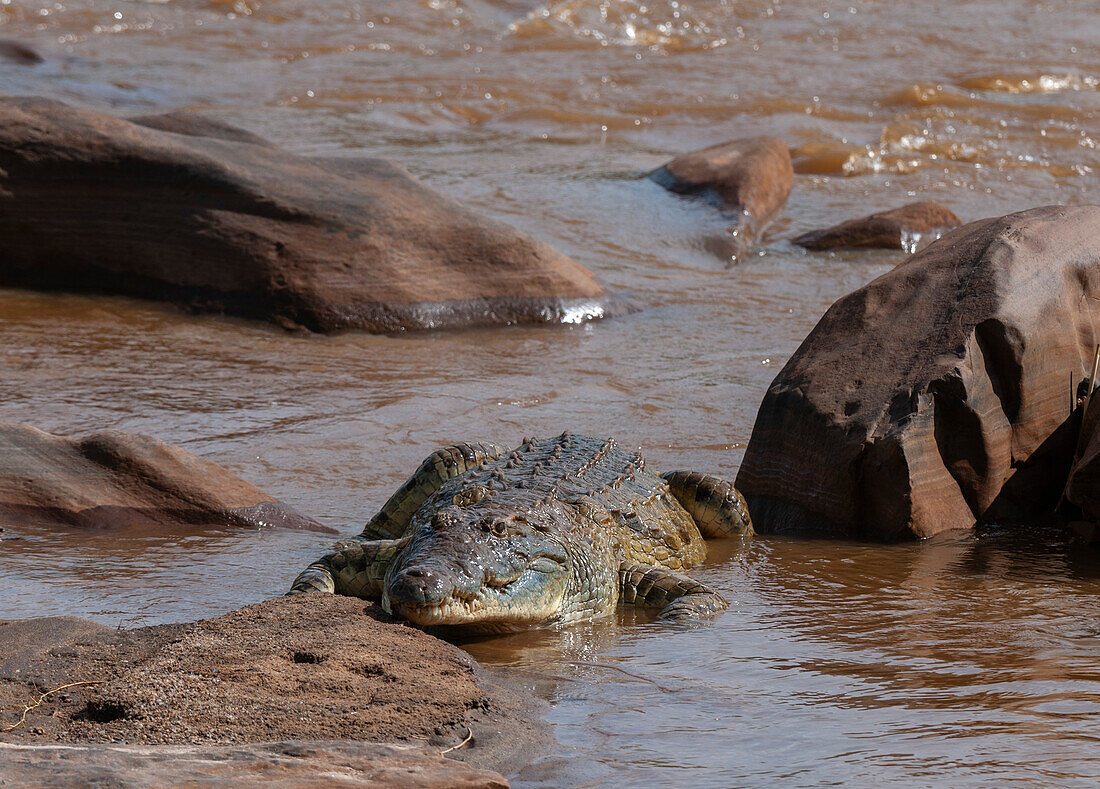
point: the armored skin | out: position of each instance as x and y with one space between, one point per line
558 530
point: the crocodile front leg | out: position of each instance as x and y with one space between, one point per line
443 464
678 596
357 569
717 508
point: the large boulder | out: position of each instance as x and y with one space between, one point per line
114 480
909 228
750 177
936 396
197 212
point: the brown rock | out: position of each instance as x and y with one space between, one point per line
908 228
192 125
196 212
936 396
114 480
277 765
1083 485
305 668
752 176
10 49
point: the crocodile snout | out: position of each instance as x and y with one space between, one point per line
420 586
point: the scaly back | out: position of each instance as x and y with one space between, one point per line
596 490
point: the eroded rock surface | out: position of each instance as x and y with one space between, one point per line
751 177
908 228
115 480
936 396
304 668
199 213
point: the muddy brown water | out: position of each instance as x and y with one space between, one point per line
967 660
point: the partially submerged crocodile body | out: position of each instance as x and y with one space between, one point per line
558 530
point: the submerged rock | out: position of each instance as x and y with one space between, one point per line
936 396
11 49
114 480
751 177
908 228
200 213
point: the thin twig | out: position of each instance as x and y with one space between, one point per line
42 698
469 736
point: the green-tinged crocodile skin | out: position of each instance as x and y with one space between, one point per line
558 530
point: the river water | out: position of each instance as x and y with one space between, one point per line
966 660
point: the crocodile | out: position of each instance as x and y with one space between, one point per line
557 531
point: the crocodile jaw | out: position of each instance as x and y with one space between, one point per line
513 606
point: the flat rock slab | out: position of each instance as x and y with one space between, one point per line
277 765
115 480
751 177
199 213
307 667
936 397
908 228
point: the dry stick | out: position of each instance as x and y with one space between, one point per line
469 737
42 698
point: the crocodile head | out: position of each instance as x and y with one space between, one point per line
481 566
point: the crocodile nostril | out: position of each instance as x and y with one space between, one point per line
419 585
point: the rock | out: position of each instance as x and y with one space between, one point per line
1083 485
28 644
936 396
114 480
751 176
306 668
276 765
191 125
908 228
199 213
10 49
